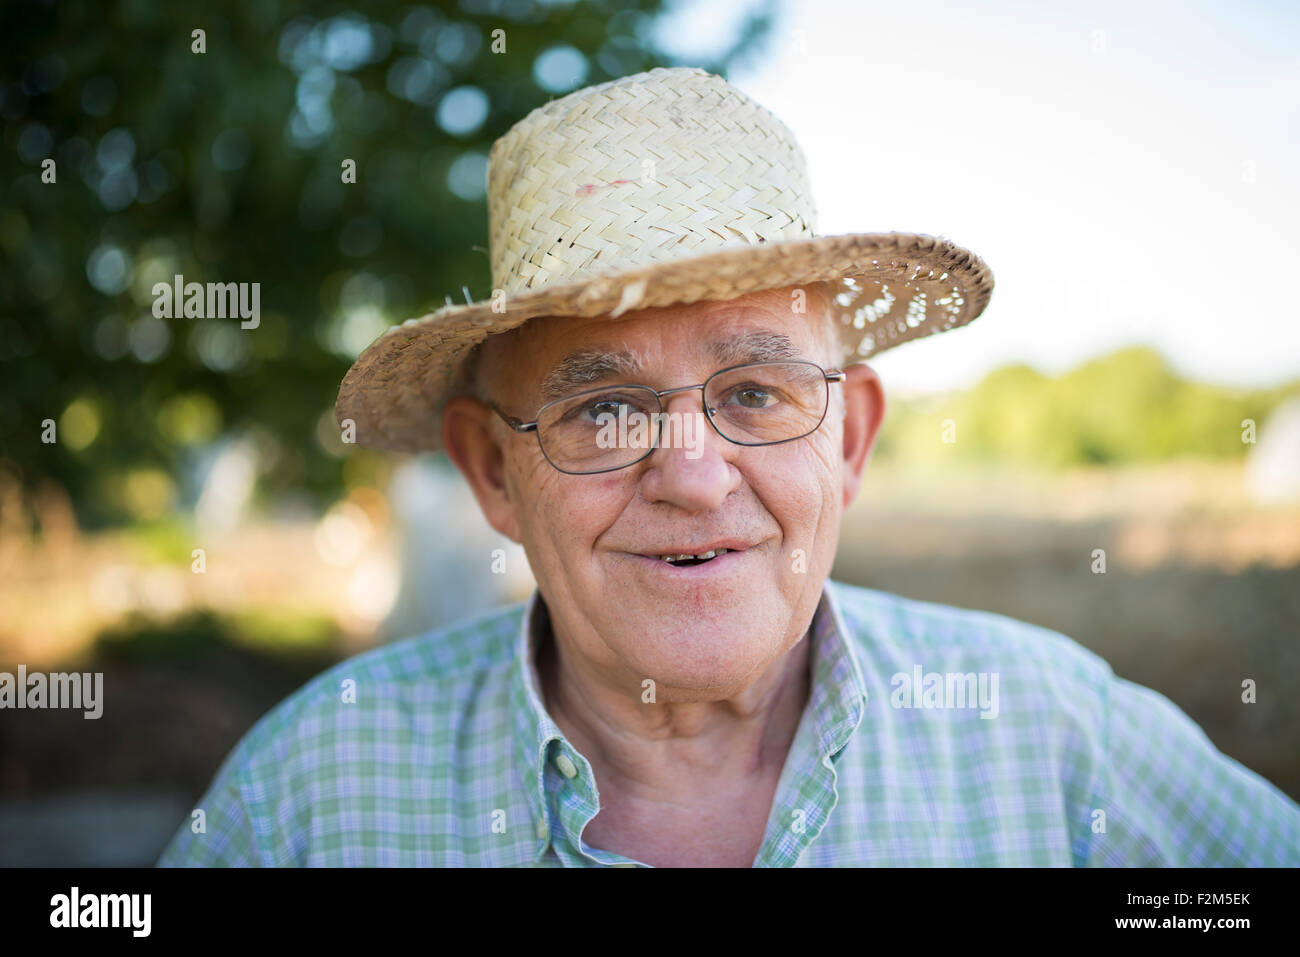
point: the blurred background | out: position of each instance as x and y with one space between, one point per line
177 509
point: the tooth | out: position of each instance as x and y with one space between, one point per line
703 556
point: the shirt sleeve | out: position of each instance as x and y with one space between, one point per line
1171 799
227 838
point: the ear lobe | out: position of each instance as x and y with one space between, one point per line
469 442
864 412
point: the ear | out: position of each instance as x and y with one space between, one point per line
864 411
472 446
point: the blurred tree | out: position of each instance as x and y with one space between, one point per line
1123 408
228 165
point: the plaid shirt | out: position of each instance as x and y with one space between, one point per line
437 751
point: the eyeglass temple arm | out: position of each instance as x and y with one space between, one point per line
835 377
517 424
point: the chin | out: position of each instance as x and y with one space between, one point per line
701 659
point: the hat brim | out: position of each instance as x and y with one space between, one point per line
894 287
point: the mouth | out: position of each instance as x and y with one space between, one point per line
713 555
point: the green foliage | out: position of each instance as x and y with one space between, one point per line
202 634
164 541
1125 408
138 639
225 166
285 631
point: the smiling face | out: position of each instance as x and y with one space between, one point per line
595 542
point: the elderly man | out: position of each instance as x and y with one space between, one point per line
664 402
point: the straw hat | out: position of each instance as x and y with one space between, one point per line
664 187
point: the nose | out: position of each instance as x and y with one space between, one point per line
693 467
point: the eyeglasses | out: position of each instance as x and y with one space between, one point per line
758 403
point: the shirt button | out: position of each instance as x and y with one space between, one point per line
566 767
543 829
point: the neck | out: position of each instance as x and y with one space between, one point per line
674 750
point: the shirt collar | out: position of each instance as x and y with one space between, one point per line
836 701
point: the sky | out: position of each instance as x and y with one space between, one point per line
1126 169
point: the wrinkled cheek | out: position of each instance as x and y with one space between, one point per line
813 497
553 511
816 467
824 449
530 477
527 486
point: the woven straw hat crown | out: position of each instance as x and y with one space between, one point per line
639 170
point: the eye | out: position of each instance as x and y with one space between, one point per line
752 396
595 410
604 406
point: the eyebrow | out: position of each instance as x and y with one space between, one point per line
587 367
755 347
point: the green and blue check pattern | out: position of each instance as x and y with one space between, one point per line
447 757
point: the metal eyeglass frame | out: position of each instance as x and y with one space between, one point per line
519 425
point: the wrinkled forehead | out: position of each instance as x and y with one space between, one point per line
557 354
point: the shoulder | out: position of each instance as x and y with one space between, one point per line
320 777
892 628
1017 698
438 670
1132 760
